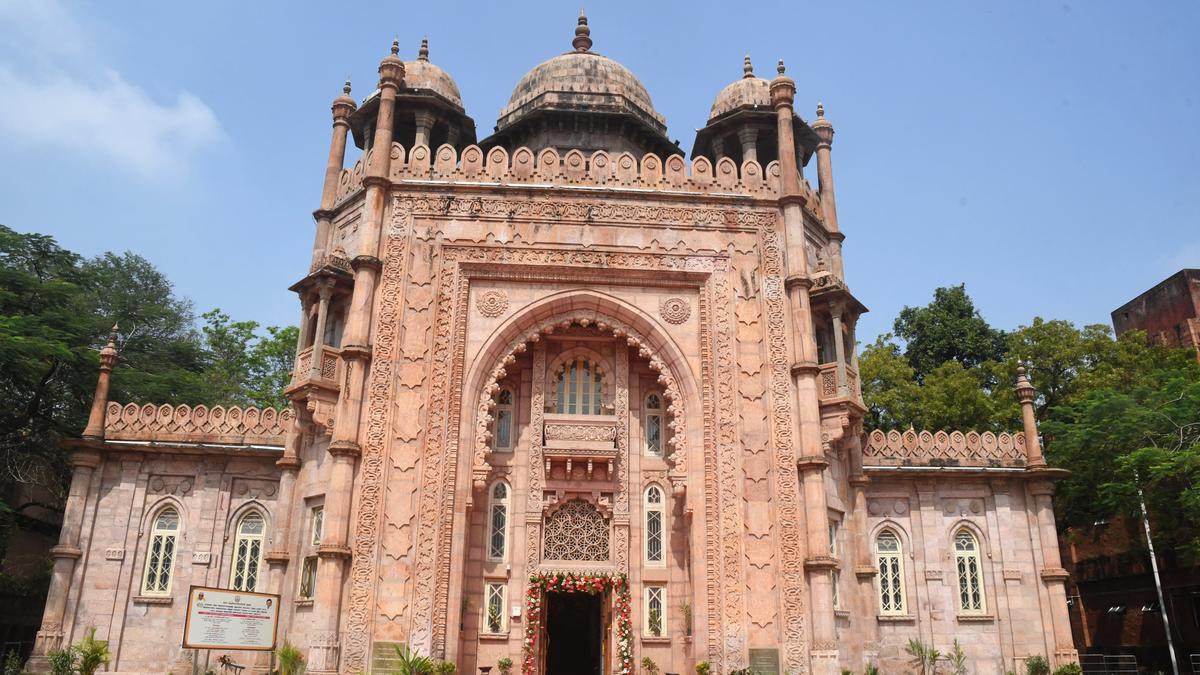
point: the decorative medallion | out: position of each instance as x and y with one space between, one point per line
675 310
492 303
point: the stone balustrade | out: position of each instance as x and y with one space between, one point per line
199 424
330 364
599 169
829 381
953 449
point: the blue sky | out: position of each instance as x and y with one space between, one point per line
1047 154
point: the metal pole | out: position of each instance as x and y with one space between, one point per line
1162 606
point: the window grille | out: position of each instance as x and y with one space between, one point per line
576 531
498 525
160 553
890 563
656 619
502 439
577 389
653 417
654 525
308 578
247 552
970 581
494 619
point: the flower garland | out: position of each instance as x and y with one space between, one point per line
578 582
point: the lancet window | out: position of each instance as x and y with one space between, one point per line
502 439
498 516
970 578
654 526
247 552
576 531
578 388
654 425
656 614
494 617
889 560
160 552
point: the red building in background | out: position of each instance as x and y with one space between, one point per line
1169 312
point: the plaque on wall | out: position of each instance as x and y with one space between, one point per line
764 661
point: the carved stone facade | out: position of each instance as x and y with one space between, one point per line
536 362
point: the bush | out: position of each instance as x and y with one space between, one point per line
1036 665
12 663
649 665
62 661
291 661
412 663
444 668
703 668
504 665
92 653
1069 669
871 669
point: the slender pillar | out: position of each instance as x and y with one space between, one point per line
749 140
342 107
824 131
803 345
718 145
84 463
334 552
324 291
839 351
424 122
1026 394
1053 575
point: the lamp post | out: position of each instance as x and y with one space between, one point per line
1162 605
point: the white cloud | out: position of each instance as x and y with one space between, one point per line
52 97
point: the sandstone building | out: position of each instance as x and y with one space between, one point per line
564 349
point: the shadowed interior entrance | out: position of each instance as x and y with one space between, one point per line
575 633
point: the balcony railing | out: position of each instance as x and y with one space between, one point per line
330 365
583 446
828 380
231 425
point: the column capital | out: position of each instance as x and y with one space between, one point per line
345 448
88 459
66 551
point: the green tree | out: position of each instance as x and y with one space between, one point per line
889 385
952 397
246 367
949 328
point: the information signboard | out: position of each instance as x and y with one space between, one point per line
218 618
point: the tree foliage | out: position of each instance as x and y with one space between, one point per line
1118 413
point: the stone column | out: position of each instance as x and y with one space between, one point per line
839 350
718 145
1053 575
324 291
803 346
749 140
343 106
344 449
424 122
824 131
1026 394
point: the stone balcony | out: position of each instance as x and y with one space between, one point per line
579 447
330 367
830 388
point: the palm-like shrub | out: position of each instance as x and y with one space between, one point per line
412 663
924 657
291 661
92 653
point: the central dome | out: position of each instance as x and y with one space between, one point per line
582 101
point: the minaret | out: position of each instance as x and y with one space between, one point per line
343 106
824 131
84 461
809 453
344 449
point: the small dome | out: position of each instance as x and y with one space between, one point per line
750 91
422 74
581 80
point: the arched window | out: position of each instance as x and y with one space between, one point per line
498 522
578 388
655 521
247 552
654 425
502 439
160 552
970 578
889 560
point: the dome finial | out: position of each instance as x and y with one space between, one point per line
583 40
346 86
423 52
820 109
747 68
395 46
779 69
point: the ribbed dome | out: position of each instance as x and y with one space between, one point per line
746 92
421 74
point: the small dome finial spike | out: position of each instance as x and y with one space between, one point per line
346 86
583 39
423 52
780 68
395 46
820 109
747 67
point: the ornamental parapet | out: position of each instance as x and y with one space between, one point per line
941 449
547 168
200 424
